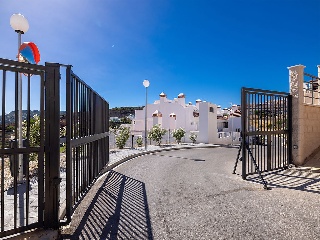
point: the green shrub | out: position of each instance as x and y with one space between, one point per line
193 137
178 134
35 135
123 134
139 141
156 134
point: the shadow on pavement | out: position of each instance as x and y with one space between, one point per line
291 179
193 159
119 210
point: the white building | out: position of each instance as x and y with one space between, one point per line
173 114
229 123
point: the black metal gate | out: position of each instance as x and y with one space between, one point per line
87 140
266 130
37 186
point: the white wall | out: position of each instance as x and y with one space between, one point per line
184 115
207 123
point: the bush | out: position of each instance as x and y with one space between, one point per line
178 134
123 134
139 141
156 134
193 137
34 135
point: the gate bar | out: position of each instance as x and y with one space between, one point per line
52 155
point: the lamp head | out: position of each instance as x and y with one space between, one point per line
146 83
19 23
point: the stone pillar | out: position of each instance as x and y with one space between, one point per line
296 76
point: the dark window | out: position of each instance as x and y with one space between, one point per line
211 109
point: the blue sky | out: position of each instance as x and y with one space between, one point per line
207 49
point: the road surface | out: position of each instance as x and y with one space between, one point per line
192 194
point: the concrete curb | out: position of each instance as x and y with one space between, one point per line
108 168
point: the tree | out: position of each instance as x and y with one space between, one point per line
122 136
178 134
156 134
35 135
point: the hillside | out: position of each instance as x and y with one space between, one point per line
121 112
10 117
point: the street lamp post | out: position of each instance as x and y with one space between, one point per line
146 84
20 25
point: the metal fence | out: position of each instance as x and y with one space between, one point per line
39 184
311 89
22 159
87 138
266 130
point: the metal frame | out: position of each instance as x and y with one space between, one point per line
7 151
87 144
266 130
87 139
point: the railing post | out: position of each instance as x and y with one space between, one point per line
69 130
244 131
52 146
296 74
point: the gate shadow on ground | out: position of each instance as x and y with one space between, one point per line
119 210
192 159
291 179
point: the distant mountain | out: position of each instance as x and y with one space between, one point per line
121 112
10 117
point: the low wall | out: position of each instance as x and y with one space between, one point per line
222 138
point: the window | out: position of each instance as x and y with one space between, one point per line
211 109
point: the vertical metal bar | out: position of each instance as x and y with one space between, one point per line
254 149
73 116
244 131
289 132
80 135
277 135
248 98
41 153
285 126
28 155
52 155
76 136
3 145
251 104
107 129
15 168
68 143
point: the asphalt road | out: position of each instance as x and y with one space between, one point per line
192 194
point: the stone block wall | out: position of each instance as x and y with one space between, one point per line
311 134
305 117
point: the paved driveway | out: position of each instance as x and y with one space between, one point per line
191 194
